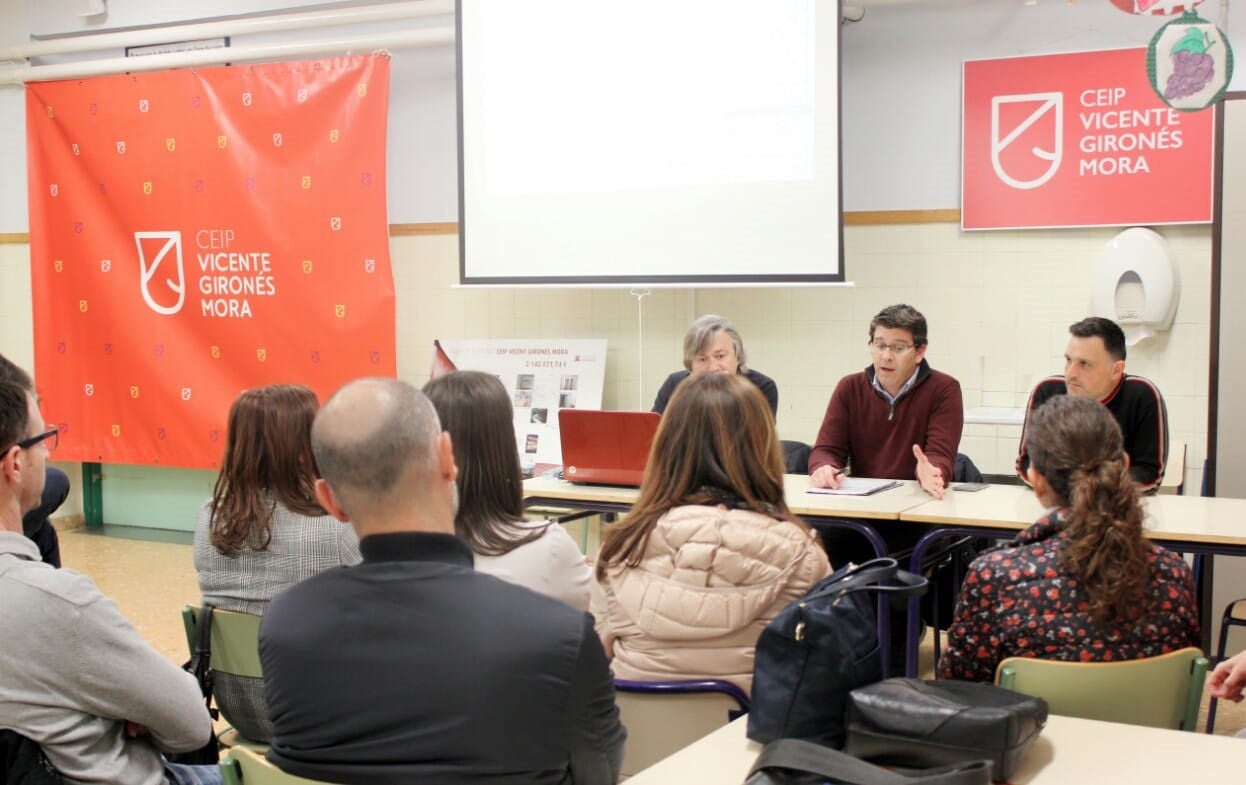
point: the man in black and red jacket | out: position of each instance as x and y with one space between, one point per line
1094 366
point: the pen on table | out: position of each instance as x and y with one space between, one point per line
839 472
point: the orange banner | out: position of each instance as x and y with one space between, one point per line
194 233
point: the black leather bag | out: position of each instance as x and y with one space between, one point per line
797 762
818 649
200 666
22 762
910 722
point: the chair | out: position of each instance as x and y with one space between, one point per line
1174 470
1159 692
235 650
663 717
965 470
795 456
248 766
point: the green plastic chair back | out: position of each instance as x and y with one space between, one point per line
244 766
235 640
1159 692
235 649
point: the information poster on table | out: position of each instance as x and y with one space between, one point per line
542 377
1079 139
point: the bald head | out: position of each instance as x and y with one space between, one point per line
375 442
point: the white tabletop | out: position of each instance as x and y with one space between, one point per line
563 491
1070 751
1188 519
885 505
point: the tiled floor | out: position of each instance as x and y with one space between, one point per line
151 581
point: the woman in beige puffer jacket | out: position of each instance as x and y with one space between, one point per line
709 553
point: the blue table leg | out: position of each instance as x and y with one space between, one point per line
913 617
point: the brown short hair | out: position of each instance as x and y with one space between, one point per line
268 459
14 414
717 434
901 317
10 372
475 409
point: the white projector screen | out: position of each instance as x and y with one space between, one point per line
687 142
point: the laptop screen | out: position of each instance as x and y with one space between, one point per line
606 448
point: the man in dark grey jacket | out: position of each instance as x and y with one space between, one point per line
412 667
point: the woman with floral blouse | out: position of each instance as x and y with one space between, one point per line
1082 584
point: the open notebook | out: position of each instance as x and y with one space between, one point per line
858 486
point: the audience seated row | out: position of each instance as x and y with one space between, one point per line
403 647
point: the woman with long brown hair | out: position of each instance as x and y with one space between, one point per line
1083 583
263 529
709 553
475 409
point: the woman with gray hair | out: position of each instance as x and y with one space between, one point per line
713 345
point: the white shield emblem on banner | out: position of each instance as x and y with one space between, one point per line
143 105
302 94
174 279
277 140
1001 138
121 147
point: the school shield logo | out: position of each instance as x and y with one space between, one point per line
1027 138
161 252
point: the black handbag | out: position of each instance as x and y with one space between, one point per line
818 649
910 722
22 762
200 666
797 762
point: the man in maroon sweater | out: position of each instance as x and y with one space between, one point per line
897 419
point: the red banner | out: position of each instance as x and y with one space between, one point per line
194 233
1079 140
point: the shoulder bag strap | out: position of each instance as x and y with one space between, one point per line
867 574
201 660
838 767
905 584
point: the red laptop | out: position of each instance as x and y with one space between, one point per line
606 448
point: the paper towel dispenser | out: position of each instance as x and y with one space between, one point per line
1135 283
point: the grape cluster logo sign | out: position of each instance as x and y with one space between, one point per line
1189 63
1079 139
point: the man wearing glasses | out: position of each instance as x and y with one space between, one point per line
898 419
76 678
36 522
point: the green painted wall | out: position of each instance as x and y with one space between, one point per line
154 496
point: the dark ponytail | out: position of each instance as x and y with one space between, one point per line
1076 445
